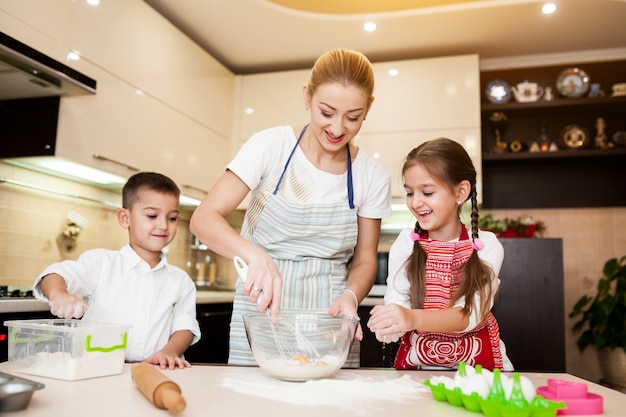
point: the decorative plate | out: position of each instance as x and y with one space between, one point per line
573 83
574 137
498 92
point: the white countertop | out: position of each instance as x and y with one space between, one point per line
224 391
13 305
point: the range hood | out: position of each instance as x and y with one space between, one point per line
27 73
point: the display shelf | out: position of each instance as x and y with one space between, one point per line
583 177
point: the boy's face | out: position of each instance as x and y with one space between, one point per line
151 221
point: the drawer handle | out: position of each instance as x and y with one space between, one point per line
104 158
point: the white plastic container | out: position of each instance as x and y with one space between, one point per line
66 349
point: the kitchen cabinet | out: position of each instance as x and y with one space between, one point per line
214 320
162 104
530 304
425 95
270 99
23 315
583 177
375 354
390 150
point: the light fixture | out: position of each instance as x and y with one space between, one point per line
369 26
73 56
548 8
69 168
249 110
393 72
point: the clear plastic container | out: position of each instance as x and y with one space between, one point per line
66 349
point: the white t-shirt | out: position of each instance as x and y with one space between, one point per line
119 287
261 160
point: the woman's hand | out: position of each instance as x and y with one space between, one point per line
346 305
389 322
264 284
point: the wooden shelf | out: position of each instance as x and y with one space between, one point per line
587 177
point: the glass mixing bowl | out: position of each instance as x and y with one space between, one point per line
300 346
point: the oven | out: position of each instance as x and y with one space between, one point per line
380 285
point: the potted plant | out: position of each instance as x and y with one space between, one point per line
602 320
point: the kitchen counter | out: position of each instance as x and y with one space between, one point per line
223 390
18 305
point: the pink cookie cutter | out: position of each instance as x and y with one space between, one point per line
574 395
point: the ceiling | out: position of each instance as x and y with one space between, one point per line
252 36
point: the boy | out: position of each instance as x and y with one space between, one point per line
134 285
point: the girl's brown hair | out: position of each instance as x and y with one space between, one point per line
448 162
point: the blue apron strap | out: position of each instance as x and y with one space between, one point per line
289 160
350 186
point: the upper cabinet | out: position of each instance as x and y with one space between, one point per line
583 162
162 103
425 94
415 100
270 99
418 100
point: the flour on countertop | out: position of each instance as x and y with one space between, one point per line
355 393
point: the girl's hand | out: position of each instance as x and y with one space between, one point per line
390 322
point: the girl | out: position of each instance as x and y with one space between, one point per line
442 281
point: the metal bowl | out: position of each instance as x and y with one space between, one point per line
300 346
15 392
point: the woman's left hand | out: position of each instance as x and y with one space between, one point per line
345 305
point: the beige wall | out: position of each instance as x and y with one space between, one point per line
590 237
31 221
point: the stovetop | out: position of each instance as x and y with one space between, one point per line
7 291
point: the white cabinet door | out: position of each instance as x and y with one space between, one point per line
426 94
133 42
271 99
391 149
140 131
161 104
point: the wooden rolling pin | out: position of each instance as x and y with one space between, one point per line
159 389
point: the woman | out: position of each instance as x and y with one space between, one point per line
316 201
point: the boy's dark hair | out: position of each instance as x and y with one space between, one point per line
151 180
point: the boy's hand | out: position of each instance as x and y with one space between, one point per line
67 306
167 360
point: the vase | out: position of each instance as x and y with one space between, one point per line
613 365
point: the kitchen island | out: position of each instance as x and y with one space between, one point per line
222 390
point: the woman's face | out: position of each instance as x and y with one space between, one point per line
337 113
433 203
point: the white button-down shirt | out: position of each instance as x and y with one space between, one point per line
120 287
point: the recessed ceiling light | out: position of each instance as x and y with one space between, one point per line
249 110
73 56
548 8
369 26
393 72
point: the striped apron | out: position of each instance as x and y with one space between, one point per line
444 273
310 243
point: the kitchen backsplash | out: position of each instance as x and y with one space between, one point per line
32 226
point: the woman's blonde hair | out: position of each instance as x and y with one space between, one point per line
344 66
